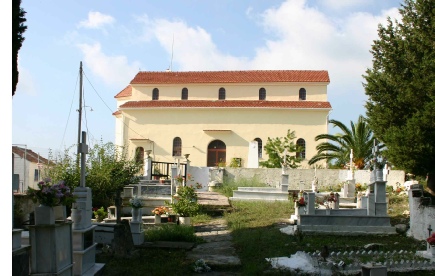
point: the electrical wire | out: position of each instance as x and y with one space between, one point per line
69 114
111 111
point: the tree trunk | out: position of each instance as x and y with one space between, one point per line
118 204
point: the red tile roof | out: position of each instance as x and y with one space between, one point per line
230 76
225 104
261 76
30 155
125 92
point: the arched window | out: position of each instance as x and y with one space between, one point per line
176 146
139 155
184 94
302 94
155 94
262 94
221 93
260 147
301 144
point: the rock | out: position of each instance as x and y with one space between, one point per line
401 228
372 246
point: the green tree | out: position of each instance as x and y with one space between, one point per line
401 89
108 171
62 167
275 148
18 29
336 150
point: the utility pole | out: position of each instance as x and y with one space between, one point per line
80 111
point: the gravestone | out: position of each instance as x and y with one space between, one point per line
84 245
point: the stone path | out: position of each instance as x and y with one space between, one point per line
218 252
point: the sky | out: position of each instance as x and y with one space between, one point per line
115 40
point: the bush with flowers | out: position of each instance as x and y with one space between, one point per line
431 240
136 203
160 210
51 194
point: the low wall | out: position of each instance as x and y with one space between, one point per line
304 177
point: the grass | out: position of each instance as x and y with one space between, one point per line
256 235
229 186
172 232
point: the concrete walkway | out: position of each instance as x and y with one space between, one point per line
218 252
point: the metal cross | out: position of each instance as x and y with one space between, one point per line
429 229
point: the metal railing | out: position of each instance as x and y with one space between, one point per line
163 169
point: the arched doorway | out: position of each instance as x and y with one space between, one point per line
216 153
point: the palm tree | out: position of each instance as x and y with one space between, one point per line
359 138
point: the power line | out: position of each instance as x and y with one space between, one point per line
69 114
111 111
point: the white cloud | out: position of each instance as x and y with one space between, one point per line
96 20
114 70
192 47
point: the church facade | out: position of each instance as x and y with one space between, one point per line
218 118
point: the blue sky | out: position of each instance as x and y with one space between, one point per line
116 39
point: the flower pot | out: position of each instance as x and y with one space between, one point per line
44 215
157 219
59 212
136 215
379 175
431 249
185 220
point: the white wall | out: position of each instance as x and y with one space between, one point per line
272 177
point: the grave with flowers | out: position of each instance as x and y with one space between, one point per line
370 218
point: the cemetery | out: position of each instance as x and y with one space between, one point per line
57 245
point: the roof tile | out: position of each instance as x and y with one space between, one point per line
261 76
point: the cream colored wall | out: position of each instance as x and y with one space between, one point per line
274 91
161 126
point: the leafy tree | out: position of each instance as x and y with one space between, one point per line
275 148
18 29
401 89
63 167
336 150
108 171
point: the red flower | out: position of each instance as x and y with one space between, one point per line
431 239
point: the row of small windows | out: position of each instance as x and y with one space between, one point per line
222 94
177 145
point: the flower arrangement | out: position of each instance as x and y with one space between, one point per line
158 211
431 240
136 203
51 194
300 202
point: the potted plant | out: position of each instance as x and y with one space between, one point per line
158 212
100 214
185 204
136 209
53 199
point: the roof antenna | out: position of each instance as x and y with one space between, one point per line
172 55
